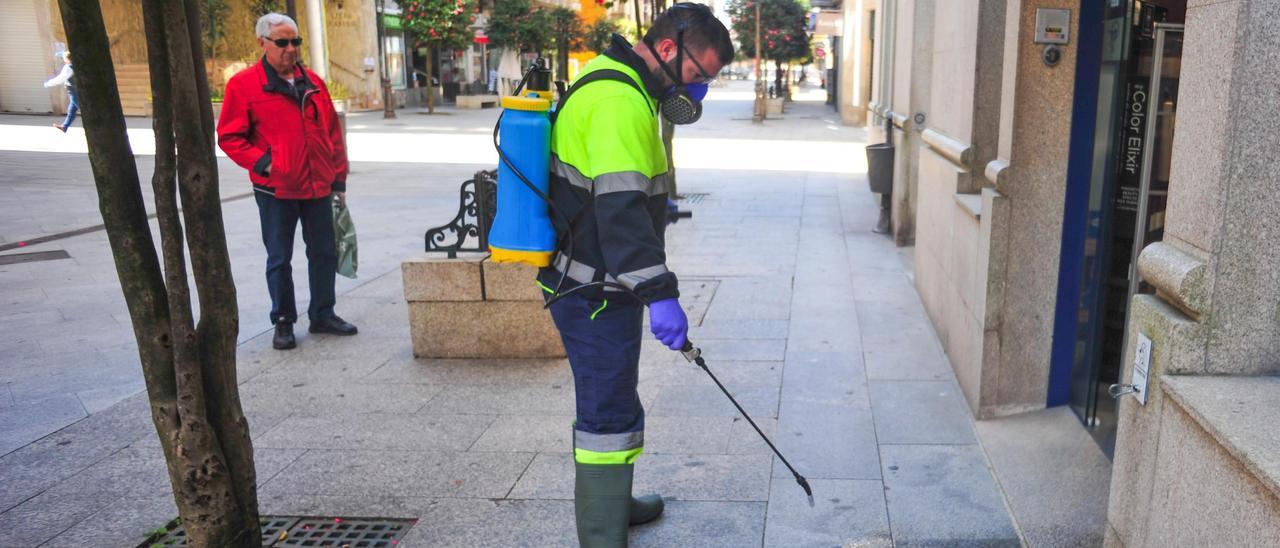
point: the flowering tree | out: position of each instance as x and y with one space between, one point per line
782 31
443 24
518 25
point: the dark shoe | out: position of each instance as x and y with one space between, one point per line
602 504
332 325
283 339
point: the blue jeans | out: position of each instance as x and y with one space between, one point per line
604 354
72 108
279 220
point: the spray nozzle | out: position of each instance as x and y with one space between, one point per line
808 491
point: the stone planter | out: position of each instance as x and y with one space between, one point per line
470 307
775 105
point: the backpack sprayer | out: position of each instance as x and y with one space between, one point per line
522 230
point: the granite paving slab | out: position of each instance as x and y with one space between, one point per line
940 495
931 412
702 398
740 329
401 473
682 477
481 522
407 369
827 441
845 513
318 398
23 423
377 431
699 523
549 399
124 524
528 433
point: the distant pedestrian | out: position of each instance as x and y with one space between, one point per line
66 78
279 123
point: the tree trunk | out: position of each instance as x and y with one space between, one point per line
562 59
639 23
777 78
189 368
431 88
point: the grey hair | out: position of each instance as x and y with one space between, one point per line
266 22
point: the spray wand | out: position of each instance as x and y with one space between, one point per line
694 354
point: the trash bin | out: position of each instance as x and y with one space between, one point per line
880 167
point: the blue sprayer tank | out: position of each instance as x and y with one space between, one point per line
522 231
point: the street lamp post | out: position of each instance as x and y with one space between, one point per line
758 115
388 102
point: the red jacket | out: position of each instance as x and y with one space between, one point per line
295 130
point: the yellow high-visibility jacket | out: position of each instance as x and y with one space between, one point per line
609 177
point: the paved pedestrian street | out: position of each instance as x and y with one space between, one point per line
807 317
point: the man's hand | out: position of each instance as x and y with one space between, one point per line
668 323
340 199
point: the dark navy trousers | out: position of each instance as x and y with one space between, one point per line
279 220
604 354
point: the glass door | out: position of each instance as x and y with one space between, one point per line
1127 203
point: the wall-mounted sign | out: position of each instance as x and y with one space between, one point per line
1053 26
1141 367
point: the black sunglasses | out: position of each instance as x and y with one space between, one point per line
282 42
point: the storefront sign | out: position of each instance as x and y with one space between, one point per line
1132 144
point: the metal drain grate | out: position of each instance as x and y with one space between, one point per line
274 526
694 197
306 531
352 533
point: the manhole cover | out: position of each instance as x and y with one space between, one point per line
306 531
694 197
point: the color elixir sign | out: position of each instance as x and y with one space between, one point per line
1132 144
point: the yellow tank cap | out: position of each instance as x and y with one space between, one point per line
535 104
539 259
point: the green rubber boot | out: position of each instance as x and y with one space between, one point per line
645 508
602 504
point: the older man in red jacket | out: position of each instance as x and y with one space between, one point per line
279 123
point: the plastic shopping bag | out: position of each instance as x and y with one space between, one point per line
344 232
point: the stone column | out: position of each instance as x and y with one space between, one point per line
316 38
1217 307
1033 132
912 60
853 101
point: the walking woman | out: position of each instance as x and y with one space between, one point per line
66 78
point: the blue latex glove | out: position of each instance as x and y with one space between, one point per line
668 323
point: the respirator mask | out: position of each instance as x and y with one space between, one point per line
681 104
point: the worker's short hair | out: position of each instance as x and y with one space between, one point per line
266 22
702 30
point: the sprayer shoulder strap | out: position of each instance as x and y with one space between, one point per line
596 76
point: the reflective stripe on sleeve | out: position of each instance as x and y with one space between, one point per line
623 181
578 272
570 173
637 277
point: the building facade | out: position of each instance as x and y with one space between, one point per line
1090 189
